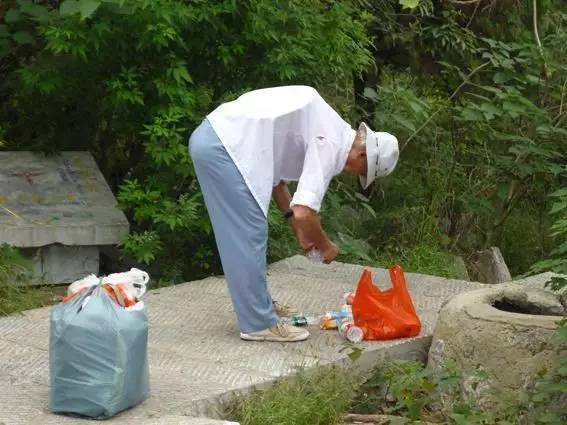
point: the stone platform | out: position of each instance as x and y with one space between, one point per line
59 210
196 357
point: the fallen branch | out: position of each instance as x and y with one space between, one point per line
380 419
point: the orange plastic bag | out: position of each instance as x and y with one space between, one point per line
117 292
385 314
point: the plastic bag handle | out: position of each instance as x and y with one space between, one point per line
89 292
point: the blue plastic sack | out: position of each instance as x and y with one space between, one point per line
98 362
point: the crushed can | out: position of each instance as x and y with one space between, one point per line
350 331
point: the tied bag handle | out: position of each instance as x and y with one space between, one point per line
399 286
88 293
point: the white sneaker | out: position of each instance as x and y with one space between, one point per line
284 310
277 333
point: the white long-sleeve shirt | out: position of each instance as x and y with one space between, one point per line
284 133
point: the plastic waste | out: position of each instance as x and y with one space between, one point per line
349 297
385 314
296 320
332 319
315 256
98 362
132 284
350 331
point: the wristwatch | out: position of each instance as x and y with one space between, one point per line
288 214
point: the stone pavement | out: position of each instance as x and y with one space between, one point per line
196 357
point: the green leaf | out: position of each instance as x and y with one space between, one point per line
37 11
88 7
370 93
370 209
69 7
23 37
12 15
4 33
4 47
409 4
489 110
468 114
558 206
560 192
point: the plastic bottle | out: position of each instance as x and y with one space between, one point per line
296 320
349 297
315 256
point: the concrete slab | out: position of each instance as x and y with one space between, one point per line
196 357
56 199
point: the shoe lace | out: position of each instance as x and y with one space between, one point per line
281 306
282 330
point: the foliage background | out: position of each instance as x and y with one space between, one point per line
475 94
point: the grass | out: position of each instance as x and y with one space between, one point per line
316 398
15 275
424 258
407 390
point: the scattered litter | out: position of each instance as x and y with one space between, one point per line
372 314
296 320
350 331
388 314
349 297
315 256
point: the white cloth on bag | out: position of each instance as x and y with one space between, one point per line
284 133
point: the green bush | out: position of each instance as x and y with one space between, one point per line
479 108
128 80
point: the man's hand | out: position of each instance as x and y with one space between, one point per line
308 223
304 242
330 253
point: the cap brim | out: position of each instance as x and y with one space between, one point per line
371 143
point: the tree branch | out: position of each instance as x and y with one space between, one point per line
464 2
473 14
465 81
538 41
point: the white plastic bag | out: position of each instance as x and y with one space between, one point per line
135 280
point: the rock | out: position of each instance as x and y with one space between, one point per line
499 338
461 268
489 266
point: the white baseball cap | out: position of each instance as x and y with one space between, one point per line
381 154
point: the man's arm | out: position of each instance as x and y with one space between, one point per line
305 223
308 223
281 195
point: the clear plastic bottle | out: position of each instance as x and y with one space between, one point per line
315 256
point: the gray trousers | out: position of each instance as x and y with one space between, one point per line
240 227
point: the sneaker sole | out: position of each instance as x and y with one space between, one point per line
247 337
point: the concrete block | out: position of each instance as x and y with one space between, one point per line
57 199
56 264
65 264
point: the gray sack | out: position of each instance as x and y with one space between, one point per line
98 360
